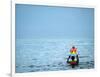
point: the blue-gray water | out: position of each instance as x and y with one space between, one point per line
33 55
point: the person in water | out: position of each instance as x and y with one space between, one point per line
72 59
73 50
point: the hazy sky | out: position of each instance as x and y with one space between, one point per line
33 21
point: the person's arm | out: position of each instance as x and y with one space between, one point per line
70 50
76 51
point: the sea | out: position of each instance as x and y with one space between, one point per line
40 55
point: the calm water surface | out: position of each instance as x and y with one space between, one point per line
33 55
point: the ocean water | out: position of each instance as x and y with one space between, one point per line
37 55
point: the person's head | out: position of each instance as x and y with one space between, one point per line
73 57
73 47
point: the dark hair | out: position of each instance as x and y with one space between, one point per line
73 57
73 47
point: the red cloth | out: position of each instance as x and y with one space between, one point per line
73 62
73 50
